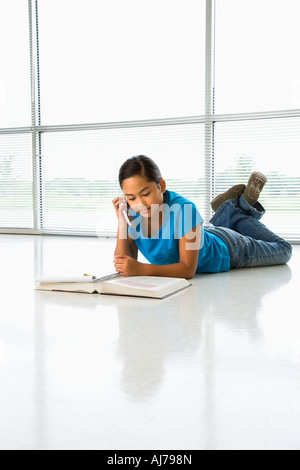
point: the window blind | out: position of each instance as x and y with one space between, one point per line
271 146
80 170
16 199
143 63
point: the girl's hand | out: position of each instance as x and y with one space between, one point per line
116 204
127 266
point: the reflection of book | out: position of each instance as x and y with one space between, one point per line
136 286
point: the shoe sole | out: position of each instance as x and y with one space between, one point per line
255 185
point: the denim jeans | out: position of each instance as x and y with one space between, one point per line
250 243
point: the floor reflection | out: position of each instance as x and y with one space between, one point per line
153 337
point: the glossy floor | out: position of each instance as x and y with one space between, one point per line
214 367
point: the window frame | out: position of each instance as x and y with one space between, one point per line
208 119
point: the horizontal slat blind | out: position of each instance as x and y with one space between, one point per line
127 74
16 199
271 146
80 171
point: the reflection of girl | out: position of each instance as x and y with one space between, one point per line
168 228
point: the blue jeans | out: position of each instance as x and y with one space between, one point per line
250 243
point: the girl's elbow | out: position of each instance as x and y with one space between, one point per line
190 272
190 276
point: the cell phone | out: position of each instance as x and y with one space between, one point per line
123 207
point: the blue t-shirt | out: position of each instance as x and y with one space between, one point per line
180 217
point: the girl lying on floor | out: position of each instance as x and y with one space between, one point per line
168 229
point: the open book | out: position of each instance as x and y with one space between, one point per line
136 286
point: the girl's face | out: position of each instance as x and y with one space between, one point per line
141 194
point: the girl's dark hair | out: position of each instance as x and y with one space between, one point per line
140 165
